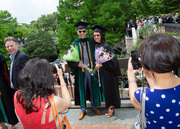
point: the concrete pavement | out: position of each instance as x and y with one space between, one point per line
123 118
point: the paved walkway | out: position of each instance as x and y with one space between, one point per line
122 119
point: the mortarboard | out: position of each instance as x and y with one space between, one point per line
98 28
81 25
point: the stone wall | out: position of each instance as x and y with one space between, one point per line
172 27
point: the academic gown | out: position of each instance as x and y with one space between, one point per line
79 75
8 114
109 79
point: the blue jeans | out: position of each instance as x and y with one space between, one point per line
87 82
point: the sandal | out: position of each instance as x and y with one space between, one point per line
110 112
109 108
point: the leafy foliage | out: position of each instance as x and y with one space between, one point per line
67 13
107 13
111 14
149 30
165 6
141 8
146 8
46 22
176 35
144 32
7 23
40 44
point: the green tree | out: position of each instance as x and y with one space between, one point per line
112 17
21 31
52 21
145 8
7 23
66 18
46 22
40 44
170 6
142 8
110 14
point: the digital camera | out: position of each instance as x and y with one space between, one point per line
56 62
135 61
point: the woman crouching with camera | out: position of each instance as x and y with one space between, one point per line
32 102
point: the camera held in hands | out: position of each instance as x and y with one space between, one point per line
54 70
135 61
56 62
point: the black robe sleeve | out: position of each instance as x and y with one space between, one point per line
112 65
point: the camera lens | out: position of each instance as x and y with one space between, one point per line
56 62
54 70
59 66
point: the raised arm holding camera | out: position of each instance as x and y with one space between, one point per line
160 55
36 87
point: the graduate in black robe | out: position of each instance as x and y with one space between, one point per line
7 113
108 72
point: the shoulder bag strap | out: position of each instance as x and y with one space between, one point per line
56 111
29 122
143 103
143 100
52 108
58 115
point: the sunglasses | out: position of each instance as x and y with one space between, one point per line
96 35
84 31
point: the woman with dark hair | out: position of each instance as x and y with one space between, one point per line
32 102
160 55
108 73
99 40
7 114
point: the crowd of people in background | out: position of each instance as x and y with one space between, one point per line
166 18
141 22
21 40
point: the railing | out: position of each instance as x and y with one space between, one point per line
123 88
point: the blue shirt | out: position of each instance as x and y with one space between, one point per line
12 60
162 108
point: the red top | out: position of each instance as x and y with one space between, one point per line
34 121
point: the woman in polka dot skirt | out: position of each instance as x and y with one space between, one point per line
160 55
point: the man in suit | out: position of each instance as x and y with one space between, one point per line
18 61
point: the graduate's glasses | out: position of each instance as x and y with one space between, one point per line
96 35
84 31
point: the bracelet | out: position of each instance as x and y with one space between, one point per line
132 81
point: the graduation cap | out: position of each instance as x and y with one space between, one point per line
98 28
81 25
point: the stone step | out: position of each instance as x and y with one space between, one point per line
125 101
124 104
